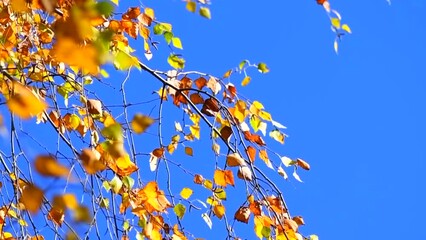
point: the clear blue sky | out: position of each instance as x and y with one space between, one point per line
358 117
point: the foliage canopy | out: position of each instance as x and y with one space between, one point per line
103 171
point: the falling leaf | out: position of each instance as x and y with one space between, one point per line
186 193
141 122
24 102
179 210
219 211
49 166
207 220
32 198
242 214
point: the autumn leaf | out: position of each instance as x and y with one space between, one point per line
303 164
245 173
91 161
125 166
219 210
49 166
24 102
186 193
234 159
251 152
32 198
153 198
242 214
223 177
141 122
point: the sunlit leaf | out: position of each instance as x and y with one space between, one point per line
234 159
296 176
336 46
177 43
186 193
264 156
281 172
116 184
346 28
219 210
24 102
278 136
207 220
245 173
91 161
223 177
176 62
287 161
245 81
179 210
191 6
198 179
313 237
335 22
205 12
303 164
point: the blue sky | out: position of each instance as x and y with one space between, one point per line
357 117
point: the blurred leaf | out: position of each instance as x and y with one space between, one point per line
141 122
32 198
49 166
346 28
191 6
205 12
24 102
245 81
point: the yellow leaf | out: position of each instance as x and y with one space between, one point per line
186 193
191 6
245 81
346 28
125 166
264 156
24 102
153 198
65 201
149 12
219 211
19 6
48 166
32 198
195 131
335 22
223 177
277 135
141 122
265 115
227 74
91 161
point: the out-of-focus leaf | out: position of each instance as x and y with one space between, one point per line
245 81
141 122
49 166
32 198
296 176
346 28
191 6
24 102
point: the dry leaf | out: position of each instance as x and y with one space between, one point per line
49 166
242 214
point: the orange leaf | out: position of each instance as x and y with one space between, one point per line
196 98
24 102
198 179
223 177
91 161
200 82
242 214
301 163
32 198
299 220
84 57
56 215
219 210
251 152
49 166
125 166
255 208
234 159
189 151
153 198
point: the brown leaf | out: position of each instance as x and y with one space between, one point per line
242 214
196 98
200 82
94 106
299 220
255 208
290 224
91 161
189 151
158 152
301 163
132 13
198 179
226 132
210 107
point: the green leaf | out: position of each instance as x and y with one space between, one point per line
176 62
126 225
191 6
242 64
205 12
104 8
116 184
266 232
177 43
220 193
168 37
106 185
113 132
262 68
160 28
128 182
179 210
